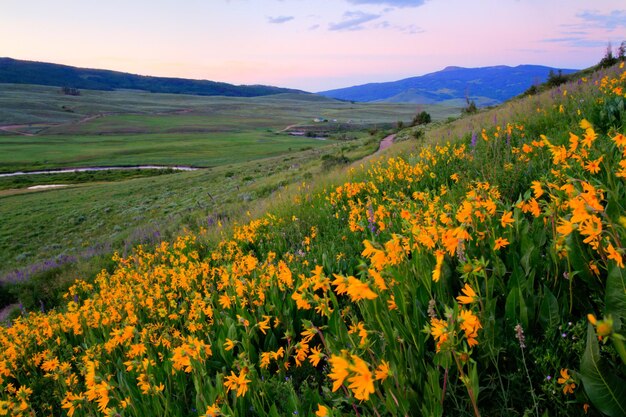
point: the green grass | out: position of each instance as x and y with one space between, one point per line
83 219
46 107
15 183
457 278
238 138
133 128
200 150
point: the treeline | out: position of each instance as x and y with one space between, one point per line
556 78
41 73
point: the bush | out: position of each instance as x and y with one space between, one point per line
470 107
421 118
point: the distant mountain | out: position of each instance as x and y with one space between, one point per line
486 86
31 72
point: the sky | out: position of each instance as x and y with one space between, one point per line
312 45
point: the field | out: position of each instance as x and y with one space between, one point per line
198 150
475 271
241 144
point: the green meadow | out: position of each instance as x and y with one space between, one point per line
199 150
242 146
474 269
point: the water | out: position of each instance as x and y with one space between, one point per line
89 169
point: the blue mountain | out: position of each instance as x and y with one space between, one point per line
486 86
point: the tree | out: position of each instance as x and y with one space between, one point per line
470 108
556 79
608 59
421 118
70 91
621 51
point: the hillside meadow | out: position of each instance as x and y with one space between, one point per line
477 271
241 145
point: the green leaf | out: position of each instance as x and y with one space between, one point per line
510 308
604 388
615 299
549 309
523 310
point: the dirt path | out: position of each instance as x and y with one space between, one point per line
13 129
386 142
88 118
288 128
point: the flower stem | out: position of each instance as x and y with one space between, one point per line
532 390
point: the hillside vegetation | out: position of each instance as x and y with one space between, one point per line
43 73
244 144
479 272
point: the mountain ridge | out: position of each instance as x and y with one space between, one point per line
486 85
16 71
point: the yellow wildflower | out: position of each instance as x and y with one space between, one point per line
237 382
568 383
322 411
469 297
507 219
339 370
382 372
361 383
500 243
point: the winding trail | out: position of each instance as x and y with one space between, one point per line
288 128
386 142
13 129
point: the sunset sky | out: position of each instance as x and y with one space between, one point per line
308 44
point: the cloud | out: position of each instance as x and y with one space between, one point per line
279 19
314 27
393 3
613 20
353 21
409 29
576 42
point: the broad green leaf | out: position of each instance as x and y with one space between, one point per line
604 388
510 308
549 309
615 298
523 310
273 411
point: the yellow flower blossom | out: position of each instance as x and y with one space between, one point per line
500 243
361 382
469 297
568 383
237 383
507 219
339 370
322 411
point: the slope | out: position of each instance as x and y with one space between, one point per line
486 85
455 278
42 73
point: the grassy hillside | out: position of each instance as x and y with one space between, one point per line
44 107
477 273
44 230
43 73
242 140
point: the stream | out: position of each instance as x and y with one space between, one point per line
89 169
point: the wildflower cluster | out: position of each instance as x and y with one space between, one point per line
375 297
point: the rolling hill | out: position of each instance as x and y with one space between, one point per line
486 86
42 73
